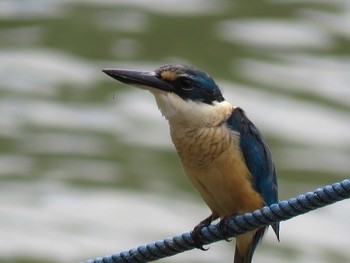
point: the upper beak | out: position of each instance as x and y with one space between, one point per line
140 79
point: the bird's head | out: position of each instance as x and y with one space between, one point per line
177 88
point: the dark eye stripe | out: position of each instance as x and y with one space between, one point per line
186 84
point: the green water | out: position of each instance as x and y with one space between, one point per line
67 127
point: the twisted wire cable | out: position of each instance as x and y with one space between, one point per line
236 225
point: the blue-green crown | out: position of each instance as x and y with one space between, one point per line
190 83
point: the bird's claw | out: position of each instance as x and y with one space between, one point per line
196 232
196 235
223 225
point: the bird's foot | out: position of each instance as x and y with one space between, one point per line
223 224
196 232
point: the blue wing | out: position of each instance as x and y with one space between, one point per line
258 158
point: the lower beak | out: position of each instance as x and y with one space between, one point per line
141 79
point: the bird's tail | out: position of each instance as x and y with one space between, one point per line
247 246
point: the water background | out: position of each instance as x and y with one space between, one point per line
86 164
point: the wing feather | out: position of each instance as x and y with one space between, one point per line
257 156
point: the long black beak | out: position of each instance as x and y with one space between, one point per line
141 79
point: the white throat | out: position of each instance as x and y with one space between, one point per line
191 113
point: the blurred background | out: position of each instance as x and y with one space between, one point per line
87 167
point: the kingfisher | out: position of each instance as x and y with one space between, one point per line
222 152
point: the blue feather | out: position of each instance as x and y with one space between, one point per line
258 158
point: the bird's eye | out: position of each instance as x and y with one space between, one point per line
186 84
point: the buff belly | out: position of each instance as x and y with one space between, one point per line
213 162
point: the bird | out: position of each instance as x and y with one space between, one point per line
222 152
